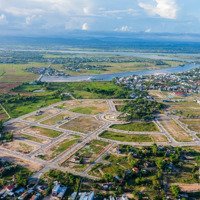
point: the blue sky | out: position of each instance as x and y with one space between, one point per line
43 17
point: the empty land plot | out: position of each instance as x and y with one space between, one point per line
57 119
30 137
15 125
43 131
82 124
193 124
39 116
59 148
186 108
19 146
114 165
137 126
122 137
178 133
86 155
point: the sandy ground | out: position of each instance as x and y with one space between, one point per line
19 146
189 187
30 165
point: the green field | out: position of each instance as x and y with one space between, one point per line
126 137
59 148
46 132
32 138
136 126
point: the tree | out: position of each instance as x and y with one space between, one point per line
175 190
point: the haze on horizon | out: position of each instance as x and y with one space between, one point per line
57 17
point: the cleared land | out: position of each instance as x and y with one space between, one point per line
175 130
59 148
86 155
31 138
82 124
193 124
37 117
43 131
19 146
57 119
122 137
136 126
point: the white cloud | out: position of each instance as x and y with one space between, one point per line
85 27
164 8
124 29
2 19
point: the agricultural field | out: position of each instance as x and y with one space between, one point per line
137 127
122 137
59 148
85 156
192 124
178 133
83 124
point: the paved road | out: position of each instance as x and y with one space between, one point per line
85 138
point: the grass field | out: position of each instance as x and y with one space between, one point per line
132 137
193 124
32 138
176 131
59 148
46 132
82 124
136 126
186 109
86 155
116 164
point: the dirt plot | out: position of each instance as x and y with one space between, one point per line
58 118
19 146
15 126
59 148
82 124
6 87
28 164
189 187
86 106
39 116
85 156
193 124
178 133
3 115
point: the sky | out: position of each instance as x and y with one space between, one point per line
49 17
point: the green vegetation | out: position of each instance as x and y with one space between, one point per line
46 132
5 136
144 170
136 126
32 138
25 101
85 110
126 137
8 170
141 109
